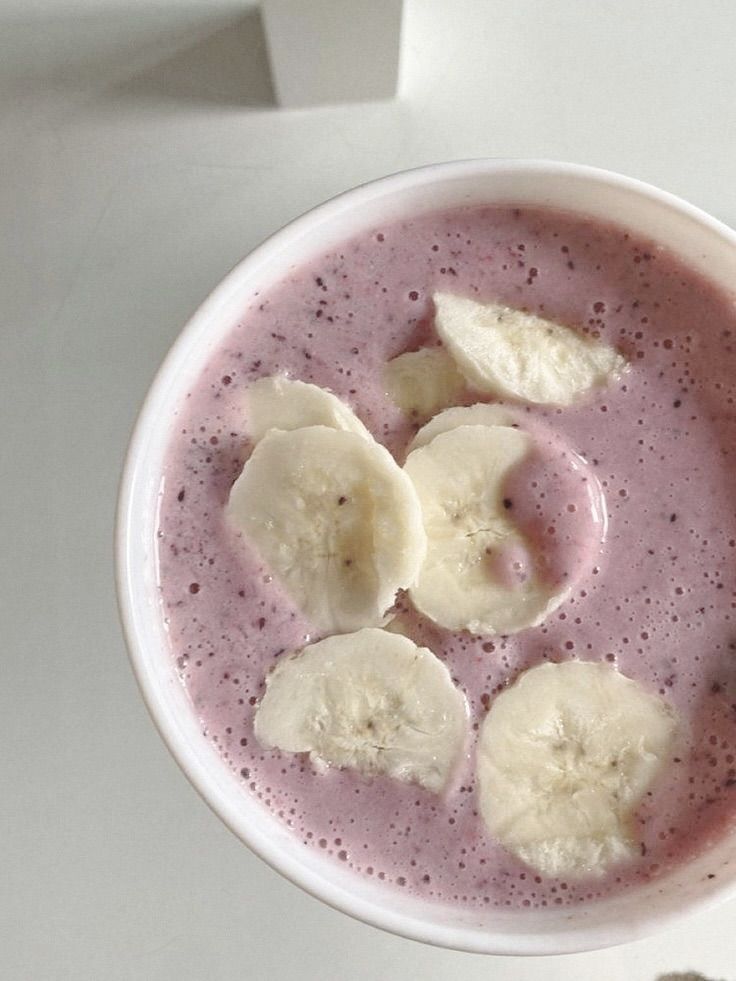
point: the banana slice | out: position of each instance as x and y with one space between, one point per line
480 414
479 573
335 519
369 700
508 353
278 402
565 756
423 382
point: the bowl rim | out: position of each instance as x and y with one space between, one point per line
579 937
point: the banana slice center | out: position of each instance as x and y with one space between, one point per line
513 520
335 518
565 756
369 700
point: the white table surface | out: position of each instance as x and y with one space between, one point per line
140 157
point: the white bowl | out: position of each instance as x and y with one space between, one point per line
704 243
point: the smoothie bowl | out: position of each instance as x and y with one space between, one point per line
425 554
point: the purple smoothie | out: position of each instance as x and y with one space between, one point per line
658 600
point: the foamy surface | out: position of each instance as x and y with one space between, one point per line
658 600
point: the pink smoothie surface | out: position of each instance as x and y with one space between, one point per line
654 452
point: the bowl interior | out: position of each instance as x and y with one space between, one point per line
702 242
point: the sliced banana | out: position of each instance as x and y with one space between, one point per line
479 573
335 519
509 353
564 758
480 414
369 700
423 382
278 402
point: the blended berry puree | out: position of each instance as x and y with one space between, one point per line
657 599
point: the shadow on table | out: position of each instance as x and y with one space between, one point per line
152 54
685 976
226 67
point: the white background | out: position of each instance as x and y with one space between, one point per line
140 157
